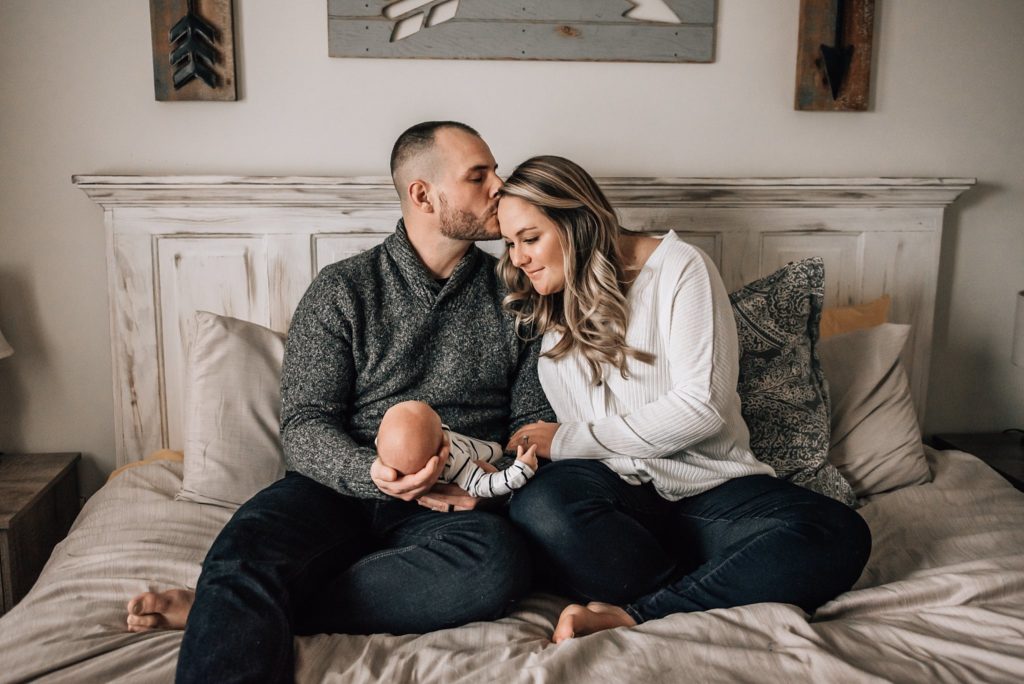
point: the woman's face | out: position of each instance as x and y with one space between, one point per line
532 242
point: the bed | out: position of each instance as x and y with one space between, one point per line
942 596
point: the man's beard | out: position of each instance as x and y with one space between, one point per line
462 225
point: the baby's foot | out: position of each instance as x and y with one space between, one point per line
577 620
160 610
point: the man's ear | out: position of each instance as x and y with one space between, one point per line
419 197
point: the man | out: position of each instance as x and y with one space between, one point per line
340 544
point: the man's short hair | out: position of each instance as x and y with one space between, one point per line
420 138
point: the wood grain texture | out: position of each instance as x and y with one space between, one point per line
565 30
164 14
249 246
817 27
38 503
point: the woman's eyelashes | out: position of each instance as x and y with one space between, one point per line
525 241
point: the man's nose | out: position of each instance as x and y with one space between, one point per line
496 184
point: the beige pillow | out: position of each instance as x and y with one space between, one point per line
232 410
876 442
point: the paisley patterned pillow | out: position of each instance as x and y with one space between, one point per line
782 387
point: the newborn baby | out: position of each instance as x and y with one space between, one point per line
411 432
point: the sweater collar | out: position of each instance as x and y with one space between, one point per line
420 280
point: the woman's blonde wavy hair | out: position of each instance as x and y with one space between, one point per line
591 312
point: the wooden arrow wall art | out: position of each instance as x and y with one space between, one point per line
193 49
833 71
583 30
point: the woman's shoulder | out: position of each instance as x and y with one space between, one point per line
679 256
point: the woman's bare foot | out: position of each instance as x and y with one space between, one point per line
164 610
577 620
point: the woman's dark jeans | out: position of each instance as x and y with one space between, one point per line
299 558
750 540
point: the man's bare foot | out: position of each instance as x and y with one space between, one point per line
577 620
164 610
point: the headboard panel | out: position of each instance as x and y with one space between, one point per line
249 247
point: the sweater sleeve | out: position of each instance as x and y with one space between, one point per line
528 403
703 363
317 381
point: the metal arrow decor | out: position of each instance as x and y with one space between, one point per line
578 30
834 55
193 49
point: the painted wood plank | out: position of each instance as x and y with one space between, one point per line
841 253
331 247
527 41
588 30
287 281
366 196
688 11
139 418
226 275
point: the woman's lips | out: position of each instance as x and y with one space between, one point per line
531 274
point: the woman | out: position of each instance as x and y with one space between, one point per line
653 503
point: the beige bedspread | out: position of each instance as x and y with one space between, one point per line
942 599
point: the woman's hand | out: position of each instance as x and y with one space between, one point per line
446 498
539 434
413 485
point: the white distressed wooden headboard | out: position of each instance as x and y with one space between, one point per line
249 247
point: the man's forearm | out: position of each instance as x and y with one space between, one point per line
327 455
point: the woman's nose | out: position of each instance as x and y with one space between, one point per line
518 258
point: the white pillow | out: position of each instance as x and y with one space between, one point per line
232 410
876 442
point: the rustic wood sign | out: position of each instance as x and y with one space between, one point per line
833 71
583 30
193 49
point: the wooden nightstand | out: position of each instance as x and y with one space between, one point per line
1003 451
38 503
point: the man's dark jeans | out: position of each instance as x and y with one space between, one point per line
299 558
749 540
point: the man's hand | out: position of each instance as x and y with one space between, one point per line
539 434
413 485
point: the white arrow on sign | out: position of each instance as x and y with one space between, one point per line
434 12
652 10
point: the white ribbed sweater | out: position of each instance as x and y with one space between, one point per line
676 422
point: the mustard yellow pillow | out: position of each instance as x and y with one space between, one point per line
837 320
161 455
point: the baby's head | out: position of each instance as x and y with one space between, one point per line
410 433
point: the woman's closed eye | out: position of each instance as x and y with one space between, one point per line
525 241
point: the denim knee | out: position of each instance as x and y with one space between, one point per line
498 562
543 509
848 538
838 543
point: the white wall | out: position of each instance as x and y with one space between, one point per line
76 96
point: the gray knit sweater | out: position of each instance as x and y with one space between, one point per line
374 330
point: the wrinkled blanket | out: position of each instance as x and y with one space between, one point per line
941 600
